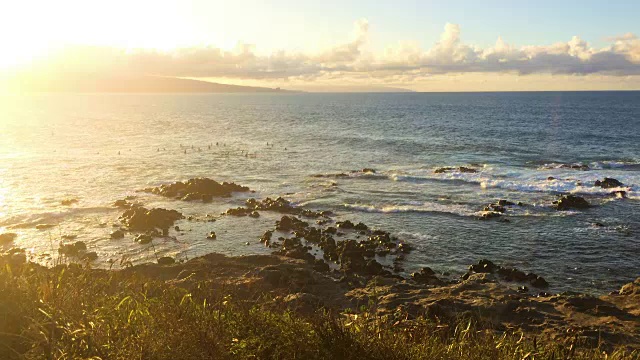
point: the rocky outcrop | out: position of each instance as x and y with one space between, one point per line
608 183
507 274
461 169
203 189
279 205
568 202
139 218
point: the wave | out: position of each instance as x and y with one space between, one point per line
427 207
563 180
32 219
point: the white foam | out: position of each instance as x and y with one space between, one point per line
427 207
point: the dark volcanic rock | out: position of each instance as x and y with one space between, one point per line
427 276
74 249
143 219
507 274
280 205
568 202
461 169
608 183
204 189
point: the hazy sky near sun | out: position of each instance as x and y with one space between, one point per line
423 45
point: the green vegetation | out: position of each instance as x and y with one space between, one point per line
73 313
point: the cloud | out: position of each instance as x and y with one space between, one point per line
403 63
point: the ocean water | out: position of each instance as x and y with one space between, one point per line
98 148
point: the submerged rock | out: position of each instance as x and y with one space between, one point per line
567 202
68 202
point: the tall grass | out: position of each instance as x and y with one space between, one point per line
73 313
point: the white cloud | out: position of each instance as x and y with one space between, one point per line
403 63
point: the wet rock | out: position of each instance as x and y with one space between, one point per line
118 234
7 238
582 167
373 267
568 202
143 239
166 260
461 169
368 171
212 235
539 282
486 215
69 202
632 288
289 223
551 178
203 189
142 219
507 274
266 237
122 203
282 206
503 202
90 256
72 249
620 194
608 183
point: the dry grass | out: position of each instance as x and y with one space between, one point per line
73 313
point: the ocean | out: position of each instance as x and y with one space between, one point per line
525 147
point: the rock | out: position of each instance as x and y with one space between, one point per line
143 239
620 194
68 202
608 183
142 219
632 288
203 189
461 169
122 203
568 202
483 266
551 178
282 206
72 249
7 238
426 276
254 214
485 215
539 282
212 235
44 226
118 234
582 167
503 202
166 260
288 223
90 256
373 267
368 171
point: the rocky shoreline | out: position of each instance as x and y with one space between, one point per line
319 262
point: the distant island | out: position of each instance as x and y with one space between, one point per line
102 83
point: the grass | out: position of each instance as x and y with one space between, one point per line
73 313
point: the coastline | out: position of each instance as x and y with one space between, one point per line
277 284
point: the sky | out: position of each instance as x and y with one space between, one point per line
419 45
